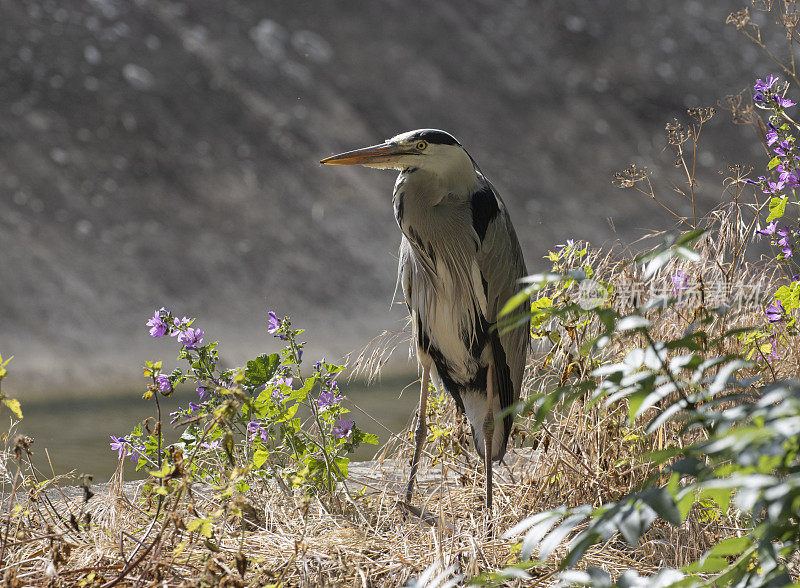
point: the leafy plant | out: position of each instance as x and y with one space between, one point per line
265 420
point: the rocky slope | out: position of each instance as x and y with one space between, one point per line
165 153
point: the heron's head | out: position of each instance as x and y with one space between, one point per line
425 149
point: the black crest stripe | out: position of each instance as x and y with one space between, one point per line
435 137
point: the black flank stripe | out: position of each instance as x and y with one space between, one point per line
444 375
484 210
398 208
505 387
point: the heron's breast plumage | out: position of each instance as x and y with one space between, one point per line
453 276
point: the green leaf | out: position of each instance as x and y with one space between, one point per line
290 412
13 405
685 500
774 162
707 565
369 438
777 208
731 546
261 369
202 526
721 496
260 457
165 471
341 467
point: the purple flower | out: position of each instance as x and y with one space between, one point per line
274 325
774 187
191 338
783 148
163 383
158 324
327 399
680 282
785 242
194 407
769 229
256 430
789 177
179 325
772 136
202 391
765 85
212 445
277 395
343 427
775 312
120 445
570 243
764 92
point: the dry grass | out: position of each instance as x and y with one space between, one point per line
581 455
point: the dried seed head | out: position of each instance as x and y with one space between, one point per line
740 19
629 176
740 115
22 443
702 115
677 134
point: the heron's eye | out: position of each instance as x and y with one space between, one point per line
421 145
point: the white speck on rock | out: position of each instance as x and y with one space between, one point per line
59 155
270 39
83 227
91 54
138 77
575 23
312 46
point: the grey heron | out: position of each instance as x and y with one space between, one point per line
460 261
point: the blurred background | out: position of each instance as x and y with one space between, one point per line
165 153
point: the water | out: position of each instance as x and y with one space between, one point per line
76 432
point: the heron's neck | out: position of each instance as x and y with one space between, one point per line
432 185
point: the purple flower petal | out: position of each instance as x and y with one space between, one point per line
120 445
775 312
191 338
342 428
163 383
769 229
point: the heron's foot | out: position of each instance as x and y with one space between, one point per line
510 473
424 516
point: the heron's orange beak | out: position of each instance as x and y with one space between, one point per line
366 155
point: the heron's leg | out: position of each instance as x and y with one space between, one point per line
488 433
421 432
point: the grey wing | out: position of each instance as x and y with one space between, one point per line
501 264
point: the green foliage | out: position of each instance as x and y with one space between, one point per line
268 420
746 455
11 403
